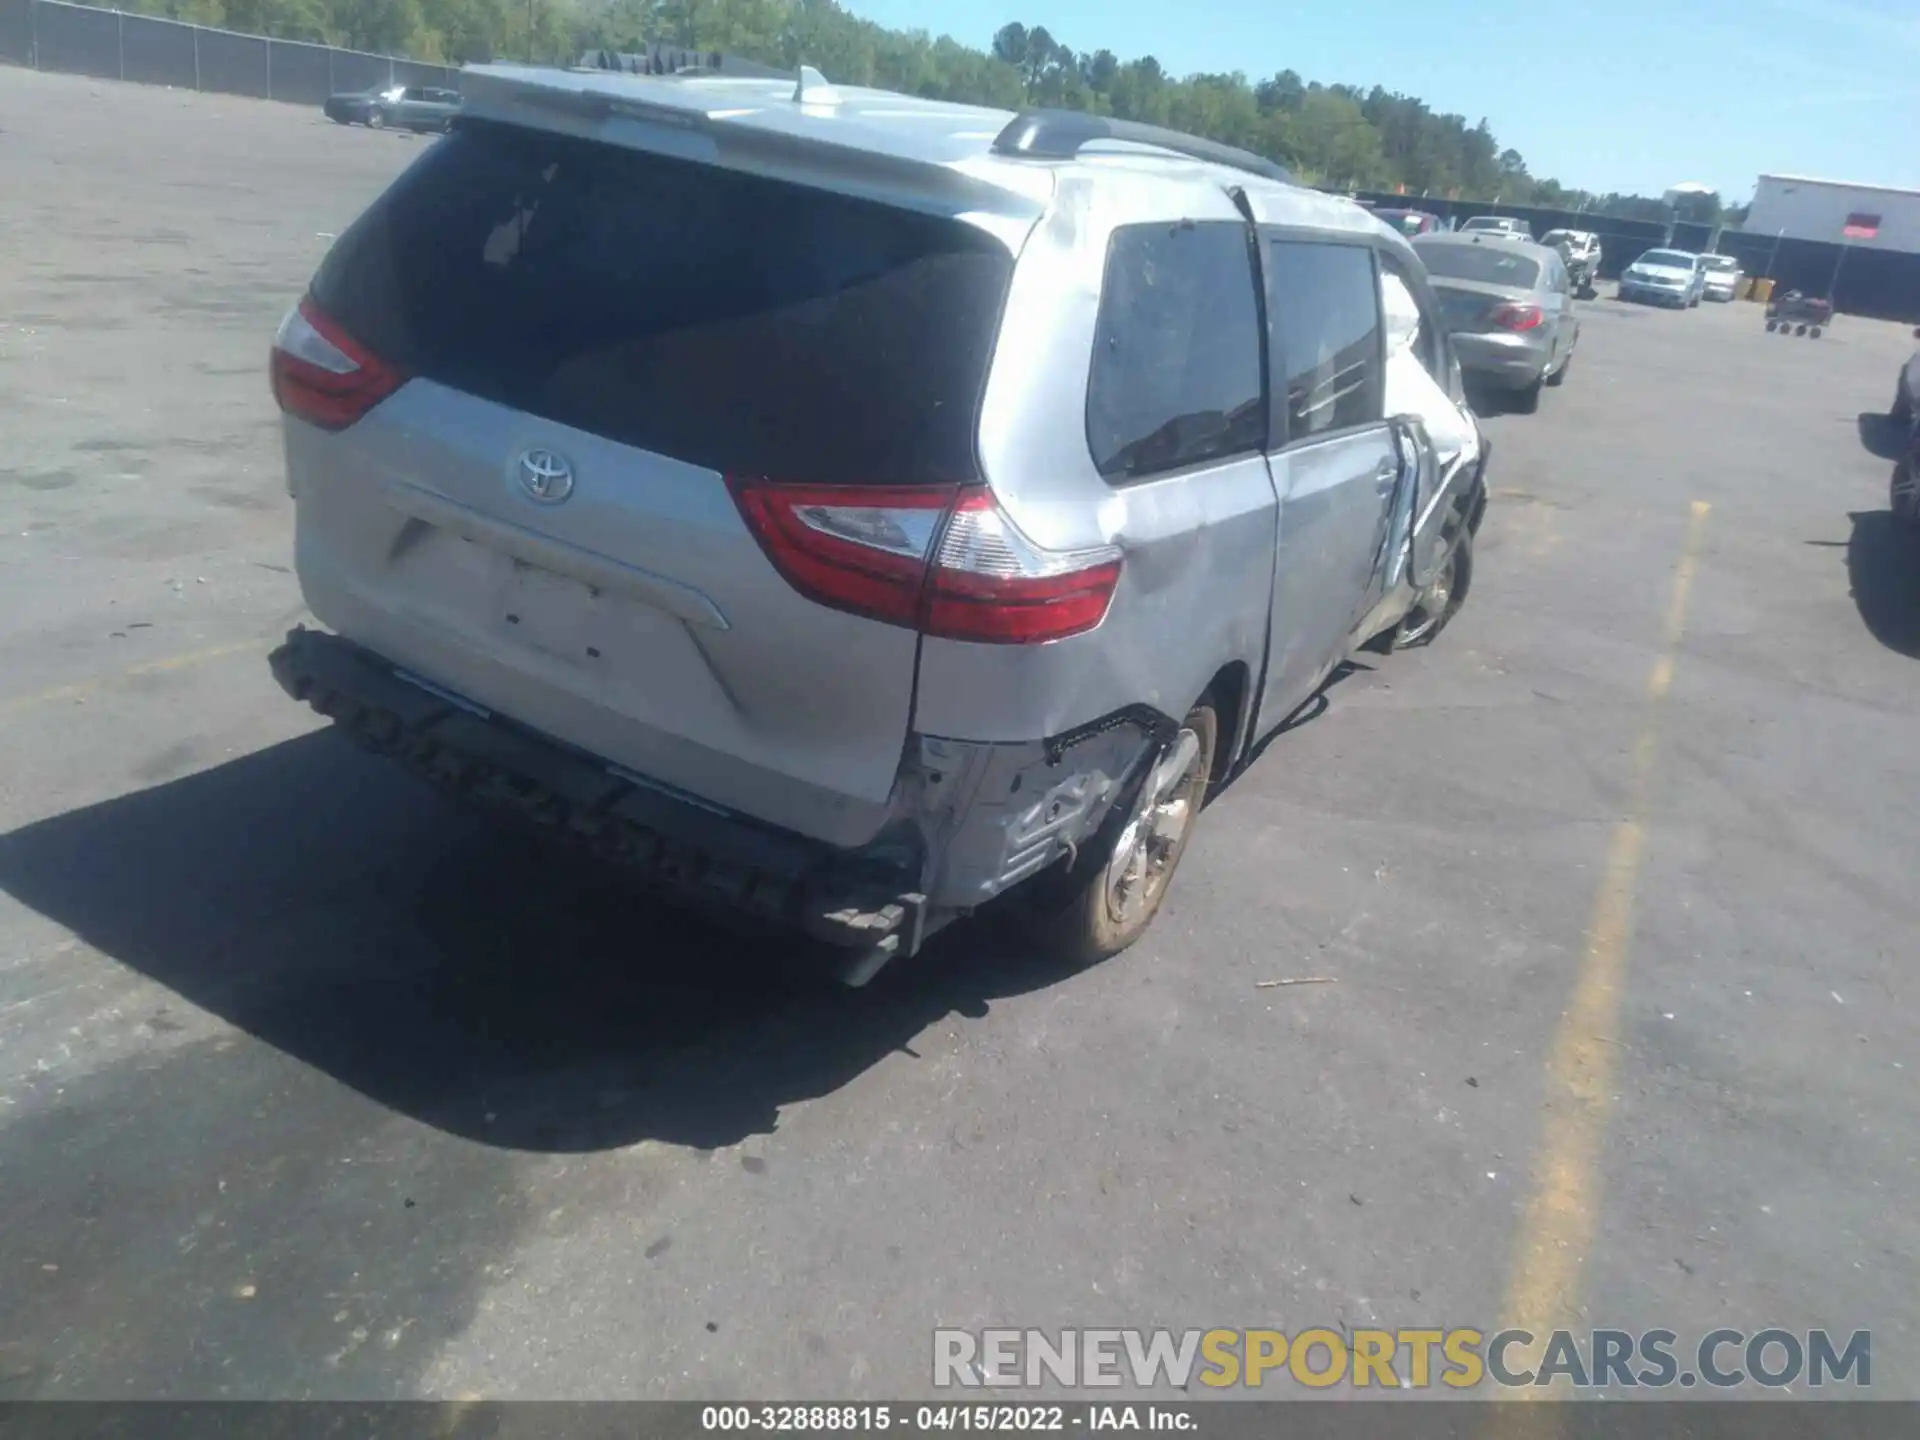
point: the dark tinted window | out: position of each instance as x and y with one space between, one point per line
1494 263
1176 352
1326 310
737 323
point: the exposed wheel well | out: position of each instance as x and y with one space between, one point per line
1230 689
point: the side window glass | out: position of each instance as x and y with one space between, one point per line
1326 312
1429 344
1176 374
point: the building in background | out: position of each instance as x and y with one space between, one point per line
1871 217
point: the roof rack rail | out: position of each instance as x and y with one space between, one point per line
1063 134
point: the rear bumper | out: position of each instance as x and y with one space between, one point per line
969 820
699 853
1511 362
1717 292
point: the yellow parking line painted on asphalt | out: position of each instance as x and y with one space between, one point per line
83 688
1556 1230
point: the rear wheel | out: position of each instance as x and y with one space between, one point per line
375 120
1528 400
1105 899
1902 411
1559 377
1772 325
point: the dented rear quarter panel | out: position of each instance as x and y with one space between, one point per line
1198 544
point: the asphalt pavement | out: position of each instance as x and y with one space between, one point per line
311 1086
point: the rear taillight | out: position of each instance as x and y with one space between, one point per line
322 374
1516 317
989 582
947 562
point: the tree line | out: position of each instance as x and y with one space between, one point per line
1342 136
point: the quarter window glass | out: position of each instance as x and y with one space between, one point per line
1430 344
1326 309
1176 377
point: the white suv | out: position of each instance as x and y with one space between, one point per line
1496 225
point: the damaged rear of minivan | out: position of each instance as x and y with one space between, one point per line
628 487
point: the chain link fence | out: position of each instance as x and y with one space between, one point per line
114 45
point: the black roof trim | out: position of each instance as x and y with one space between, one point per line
1063 134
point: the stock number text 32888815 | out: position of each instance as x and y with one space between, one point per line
909 1419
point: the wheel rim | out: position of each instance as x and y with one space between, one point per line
1430 606
1144 856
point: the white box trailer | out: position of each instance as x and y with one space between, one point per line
1873 217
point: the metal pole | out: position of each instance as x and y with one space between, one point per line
120 39
33 31
529 32
196 57
269 48
1833 287
1774 253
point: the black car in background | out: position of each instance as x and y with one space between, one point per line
405 107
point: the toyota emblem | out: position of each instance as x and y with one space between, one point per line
545 476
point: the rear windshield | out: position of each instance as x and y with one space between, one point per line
1493 264
737 323
1677 259
1720 263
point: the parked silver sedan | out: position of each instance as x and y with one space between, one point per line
1508 305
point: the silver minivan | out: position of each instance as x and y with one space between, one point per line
844 507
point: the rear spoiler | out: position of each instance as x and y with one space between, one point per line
758 127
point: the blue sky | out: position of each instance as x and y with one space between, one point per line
1654 92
